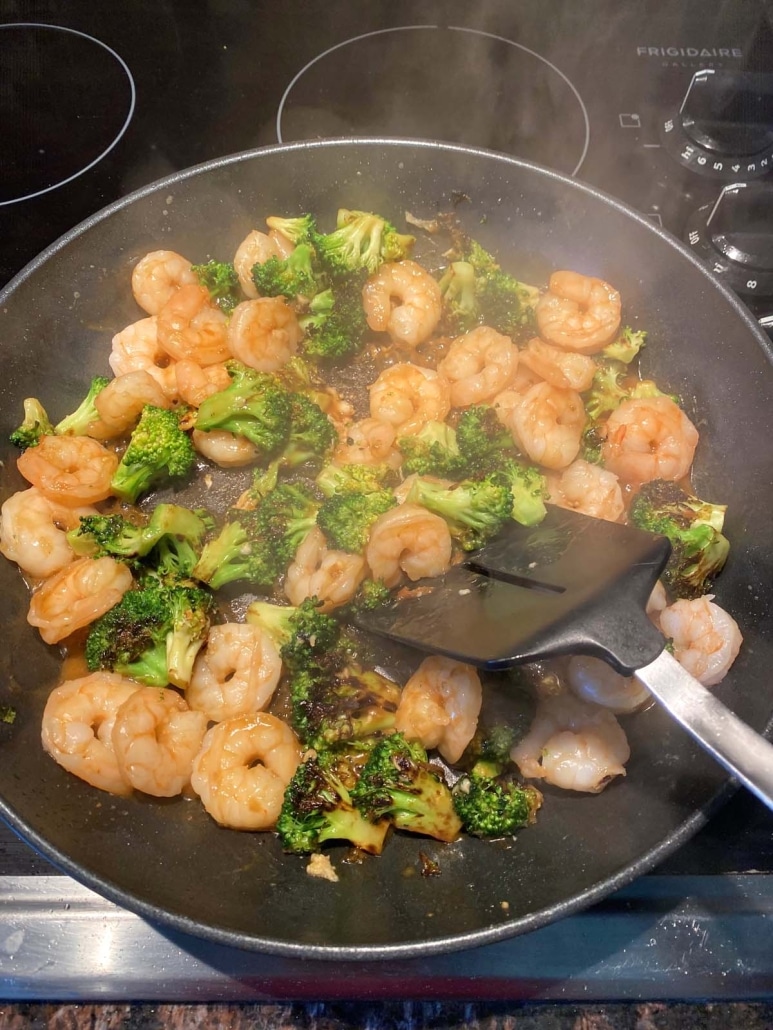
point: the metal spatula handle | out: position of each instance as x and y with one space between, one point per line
736 746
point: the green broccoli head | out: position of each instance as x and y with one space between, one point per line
694 527
299 229
346 518
398 783
335 325
484 443
78 423
496 298
475 509
219 278
353 479
459 298
612 385
254 406
290 277
433 451
360 241
494 807
158 449
238 553
371 594
528 490
627 345
284 517
312 434
35 424
305 636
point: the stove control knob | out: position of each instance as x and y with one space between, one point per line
734 235
724 128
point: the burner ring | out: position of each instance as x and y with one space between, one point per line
122 129
451 28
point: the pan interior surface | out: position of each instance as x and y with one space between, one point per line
168 860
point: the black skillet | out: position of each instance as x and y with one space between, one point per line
167 860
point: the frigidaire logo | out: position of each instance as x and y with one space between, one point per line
689 51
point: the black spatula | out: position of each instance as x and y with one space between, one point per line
572 585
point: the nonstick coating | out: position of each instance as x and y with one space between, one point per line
167 860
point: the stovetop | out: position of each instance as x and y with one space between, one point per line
665 104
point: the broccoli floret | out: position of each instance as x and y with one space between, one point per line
371 594
475 509
301 229
528 490
305 636
460 303
77 424
312 434
361 240
626 346
153 634
158 449
335 325
36 423
358 479
398 783
433 451
591 443
290 277
174 533
609 390
484 443
300 376
238 552
222 282
317 806
494 807
694 527
488 753
346 518
254 406
284 517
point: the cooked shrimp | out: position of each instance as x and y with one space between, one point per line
197 382
479 365
76 596
33 532
121 402
157 276
408 396
78 727
572 745
235 674
264 333
649 438
578 312
226 449
255 249
243 769
440 705
72 470
596 682
190 327
565 369
369 442
137 348
155 738
706 638
411 540
316 571
415 316
589 489
546 423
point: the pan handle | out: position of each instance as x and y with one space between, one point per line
736 746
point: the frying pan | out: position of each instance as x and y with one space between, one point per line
166 860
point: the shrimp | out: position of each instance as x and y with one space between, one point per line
33 532
369 442
596 682
226 449
243 769
137 348
546 423
415 317
76 596
589 489
565 369
572 745
235 674
649 438
479 365
578 312
255 249
408 396
159 275
706 638
71 470
196 382
264 333
411 540
440 705
77 728
331 576
121 402
191 327
155 738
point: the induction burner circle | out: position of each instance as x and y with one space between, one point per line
66 99
448 83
